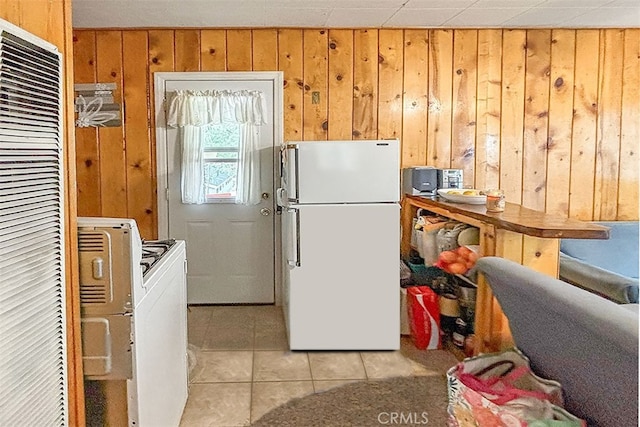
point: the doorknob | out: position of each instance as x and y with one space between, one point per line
265 196
265 212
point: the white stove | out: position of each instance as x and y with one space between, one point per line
152 253
134 325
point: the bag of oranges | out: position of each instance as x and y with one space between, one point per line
457 261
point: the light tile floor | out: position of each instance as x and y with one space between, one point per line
244 368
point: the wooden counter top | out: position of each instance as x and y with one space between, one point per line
517 218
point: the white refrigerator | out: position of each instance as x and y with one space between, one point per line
341 236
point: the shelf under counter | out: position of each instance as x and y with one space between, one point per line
529 237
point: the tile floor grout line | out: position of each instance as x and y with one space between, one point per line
310 370
364 366
251 388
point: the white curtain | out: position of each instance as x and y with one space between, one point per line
193 184
248 179
191 111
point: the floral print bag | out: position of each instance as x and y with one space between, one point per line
501 390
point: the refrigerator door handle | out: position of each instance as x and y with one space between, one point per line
295 262
296 175
281 197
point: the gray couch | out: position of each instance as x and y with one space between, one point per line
606 267
587 343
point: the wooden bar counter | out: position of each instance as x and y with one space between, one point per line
526 236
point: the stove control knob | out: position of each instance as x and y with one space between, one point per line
265 212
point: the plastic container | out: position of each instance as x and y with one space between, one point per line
414 234
419 234
429 242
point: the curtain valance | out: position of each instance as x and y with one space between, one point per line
200 108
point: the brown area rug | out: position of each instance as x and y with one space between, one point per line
408 401
413 401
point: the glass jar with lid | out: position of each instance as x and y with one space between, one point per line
495 200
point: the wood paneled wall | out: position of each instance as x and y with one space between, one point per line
550 116
51 21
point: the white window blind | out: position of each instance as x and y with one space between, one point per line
33 383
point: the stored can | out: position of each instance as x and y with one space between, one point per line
459 333
449 312
495 200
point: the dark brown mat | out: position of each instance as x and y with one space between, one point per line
408 401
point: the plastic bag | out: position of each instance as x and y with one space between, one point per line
424 317
447 237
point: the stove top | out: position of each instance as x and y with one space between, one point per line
152 251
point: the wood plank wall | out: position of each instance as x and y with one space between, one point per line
51 21
550 116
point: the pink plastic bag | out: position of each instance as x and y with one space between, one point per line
424 317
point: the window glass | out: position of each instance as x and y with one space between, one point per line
222 143
221 180
223 135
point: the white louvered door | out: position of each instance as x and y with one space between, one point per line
33 379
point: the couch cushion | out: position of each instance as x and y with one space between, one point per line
613 286
618 254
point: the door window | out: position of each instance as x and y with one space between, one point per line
221 155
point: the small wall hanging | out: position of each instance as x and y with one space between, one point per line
95 106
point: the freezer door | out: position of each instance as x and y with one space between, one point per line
343 171
343 294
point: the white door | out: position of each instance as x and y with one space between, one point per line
230 247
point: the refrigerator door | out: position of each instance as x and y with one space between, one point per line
343 171
342 285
